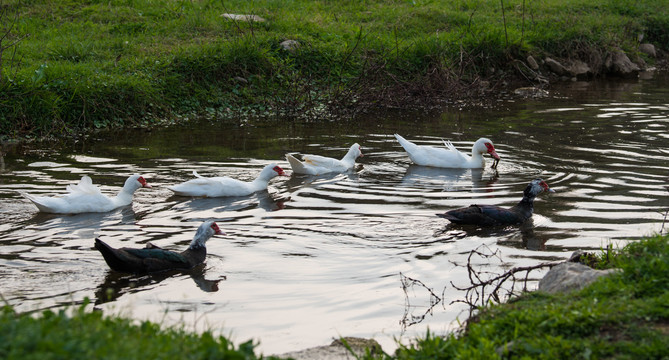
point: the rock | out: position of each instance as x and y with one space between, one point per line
239 17
570 276
532 63
531 92
648 49
580 70
619 64
336 350
555 66
290 45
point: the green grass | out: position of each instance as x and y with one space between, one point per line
623 316
96 64
89 335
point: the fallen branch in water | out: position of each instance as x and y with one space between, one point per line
478 293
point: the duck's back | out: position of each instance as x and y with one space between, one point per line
142 260
325 163
212 187
482 215
74 203
433 156
438 157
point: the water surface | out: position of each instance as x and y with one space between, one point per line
315 258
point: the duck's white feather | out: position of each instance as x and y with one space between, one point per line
318 165
448 157
221 186
85 197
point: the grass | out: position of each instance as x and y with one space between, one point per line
89 335
623 316
70 65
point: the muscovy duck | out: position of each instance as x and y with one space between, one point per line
488 215
153 258
227 186
85 197
318 165
450 157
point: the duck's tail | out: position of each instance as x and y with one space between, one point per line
42 203
296 165
406 144
113 257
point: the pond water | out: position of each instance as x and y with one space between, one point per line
315 258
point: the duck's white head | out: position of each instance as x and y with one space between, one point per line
205 232
485 146
271 171
356 150
135 182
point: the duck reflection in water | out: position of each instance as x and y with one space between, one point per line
523 236
262 199
449 179
298 181
117 284
84 225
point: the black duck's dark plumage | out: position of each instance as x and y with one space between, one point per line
152 259
489 215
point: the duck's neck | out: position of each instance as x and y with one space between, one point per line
124 197
195 254
526 206
200 239
198 245
349 158
260 183
477 158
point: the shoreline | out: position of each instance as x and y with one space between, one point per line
153 66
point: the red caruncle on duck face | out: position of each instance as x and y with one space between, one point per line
217 230
491 151
143 182
279 171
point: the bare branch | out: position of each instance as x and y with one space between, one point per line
478 293
407 319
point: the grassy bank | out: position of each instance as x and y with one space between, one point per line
89 335
69 65
623 316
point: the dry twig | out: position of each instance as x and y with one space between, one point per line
483 291
407 319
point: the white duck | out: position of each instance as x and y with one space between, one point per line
227 186
85 197
318 165
450 157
